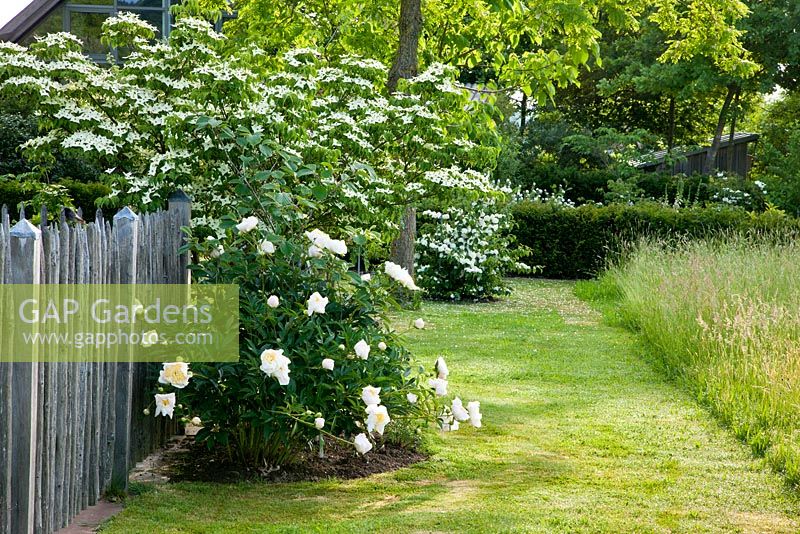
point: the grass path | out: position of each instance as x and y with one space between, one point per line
580 435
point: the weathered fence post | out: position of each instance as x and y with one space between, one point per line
25 254
181 206
125 236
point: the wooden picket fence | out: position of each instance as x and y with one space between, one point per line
71 431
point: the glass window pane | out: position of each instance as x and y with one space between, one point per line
89 28
91 2
139 3
156 18
53 23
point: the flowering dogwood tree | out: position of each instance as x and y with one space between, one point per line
170 116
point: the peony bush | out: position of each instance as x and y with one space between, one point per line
319 360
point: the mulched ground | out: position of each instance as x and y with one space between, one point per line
194 462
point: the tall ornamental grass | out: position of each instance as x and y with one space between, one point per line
724 318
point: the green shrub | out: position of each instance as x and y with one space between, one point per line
83 195
579 242
18 128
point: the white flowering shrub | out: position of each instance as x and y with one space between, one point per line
271 149
170 117
465 251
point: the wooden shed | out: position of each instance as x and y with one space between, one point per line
690 162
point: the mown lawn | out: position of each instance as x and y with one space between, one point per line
580 435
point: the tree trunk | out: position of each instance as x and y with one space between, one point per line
711 155
403 246
406 64
523 115
671 126
734 113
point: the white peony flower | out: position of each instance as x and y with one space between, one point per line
362 444
328 364
318 237
441 368
337 246
459 412
319 422
266 247
316 304
247 224
475 415
165 404
196 421
371 395
454 425
314 251
362 349
175 374
282 372
275 364
366 277
400 275
382 345
419 323
439 385
273 301
412 398
322 241
377 418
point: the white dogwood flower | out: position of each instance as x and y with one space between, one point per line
362 444
362 349
165 404
175 374
316 304
247 224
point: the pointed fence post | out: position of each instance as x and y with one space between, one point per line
25 254
125 242
181 206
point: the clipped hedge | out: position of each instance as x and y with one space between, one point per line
84 195
579 242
